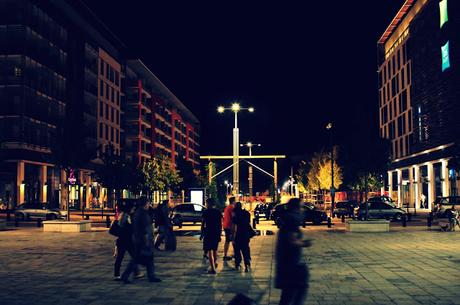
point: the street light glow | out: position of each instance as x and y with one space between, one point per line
220 109
329 126
236 107
249 144
251 109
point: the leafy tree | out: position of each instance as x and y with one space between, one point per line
160 175
313 182
324 175
188 174
211 188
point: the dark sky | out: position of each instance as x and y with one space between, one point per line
300 65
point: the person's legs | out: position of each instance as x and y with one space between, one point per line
247 256
237 249
215 257
160 237
212 265
227 243
129 269
137 272
121 250
287 295
299 295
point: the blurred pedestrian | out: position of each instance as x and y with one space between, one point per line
143 243
162 222
124 242
291 270
242 233
228 214
211 230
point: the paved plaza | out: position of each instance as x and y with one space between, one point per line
406 266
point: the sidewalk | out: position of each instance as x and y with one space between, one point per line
407 267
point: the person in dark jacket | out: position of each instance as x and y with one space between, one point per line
291 271
124 242
143 243
162 222
241 236
211 230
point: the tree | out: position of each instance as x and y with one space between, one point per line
188 174
313 182
211 188
325 173
160 175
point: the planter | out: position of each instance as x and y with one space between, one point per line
370 226
63 226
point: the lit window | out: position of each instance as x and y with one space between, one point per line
443 17
445 56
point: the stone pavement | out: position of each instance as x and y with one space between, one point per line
404 267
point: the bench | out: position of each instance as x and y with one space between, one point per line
66 226
369 226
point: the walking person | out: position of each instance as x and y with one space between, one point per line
162 222
124 242
242 233
291 270
211 230
228 214
143 243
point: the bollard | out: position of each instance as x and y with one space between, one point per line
404 221
254 223
16 222
8 216
409 217
343 218
329 222
107 221
86 217
429 220
304 223
39 222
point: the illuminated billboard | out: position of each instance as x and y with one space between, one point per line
445 56
443 17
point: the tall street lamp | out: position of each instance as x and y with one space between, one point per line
329 127
236 169
250 176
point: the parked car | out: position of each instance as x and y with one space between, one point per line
186 212
385 199
38 210
311 214
445 204
263 210
381 210
346 208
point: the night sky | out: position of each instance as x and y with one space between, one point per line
299 65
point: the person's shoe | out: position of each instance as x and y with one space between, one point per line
247 268
205 256
227 258
157 248
117 278
237 267
154 280
139 275
126 281
212 271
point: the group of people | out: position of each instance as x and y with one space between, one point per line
136 237
237 229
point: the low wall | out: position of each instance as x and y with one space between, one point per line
368 226
66 226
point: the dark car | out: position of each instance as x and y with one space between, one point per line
38 210
345 208
187 212
381 210
385 199
263 210
311 214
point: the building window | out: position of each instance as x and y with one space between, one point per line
112 115
101 67
445 57
107 132
443 18
106 111
101 88
111 134
101 108
101 130
117 134
107 91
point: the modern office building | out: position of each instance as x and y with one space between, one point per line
419 100
62 88
155 120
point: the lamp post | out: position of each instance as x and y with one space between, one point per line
236 169
250 176
329 127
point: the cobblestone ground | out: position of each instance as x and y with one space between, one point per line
403 267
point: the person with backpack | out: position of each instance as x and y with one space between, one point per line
211 230
143 243
124 242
